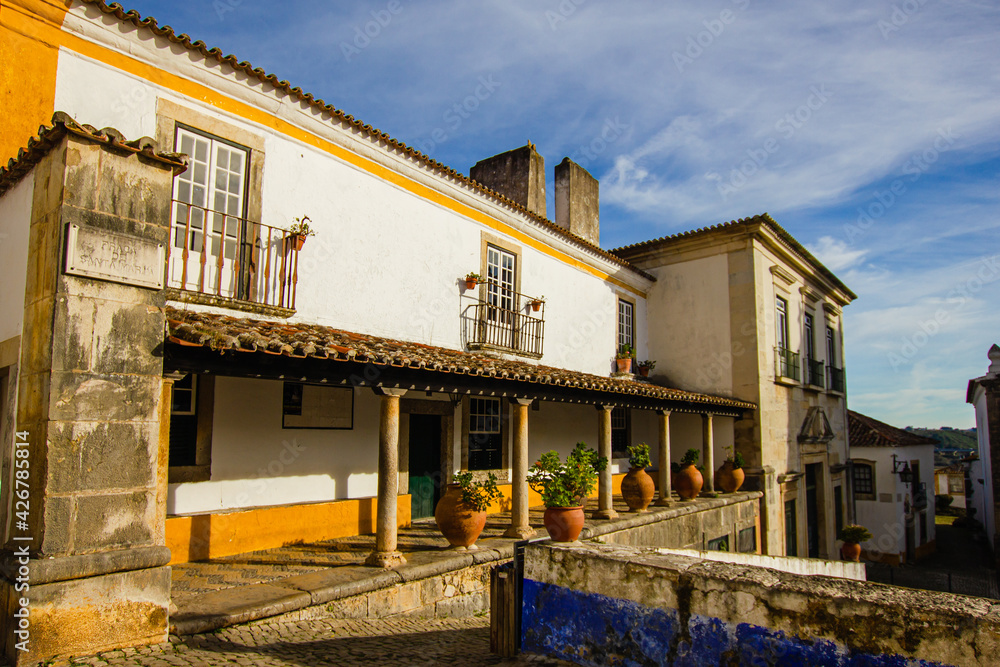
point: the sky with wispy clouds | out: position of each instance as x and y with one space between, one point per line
869 130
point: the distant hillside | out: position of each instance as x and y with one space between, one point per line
948 438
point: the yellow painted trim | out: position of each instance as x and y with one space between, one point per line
211 96
215 535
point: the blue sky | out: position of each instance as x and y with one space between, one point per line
869 130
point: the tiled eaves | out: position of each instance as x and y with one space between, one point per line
49 135
377 136
763 219
313 341
864 431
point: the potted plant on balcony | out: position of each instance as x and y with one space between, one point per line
729 477
624 358
689 479
563 487
472 279
853 535
299 231
461 512
645 367
637 486
536 304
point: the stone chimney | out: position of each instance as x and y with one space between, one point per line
518 175
578 201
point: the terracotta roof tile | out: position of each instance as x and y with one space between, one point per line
133 17
227 333
863 431
49 136
762 219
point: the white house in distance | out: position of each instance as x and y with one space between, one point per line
893 473
984 470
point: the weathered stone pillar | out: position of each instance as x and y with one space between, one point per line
663 419
519 526
708 451
90 404
604 504
386 555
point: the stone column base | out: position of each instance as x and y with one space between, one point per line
85 615
663 502
385 559
520 532
605 514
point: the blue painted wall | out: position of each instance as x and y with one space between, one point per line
591 629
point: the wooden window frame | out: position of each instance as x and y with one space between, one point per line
204 412
864 495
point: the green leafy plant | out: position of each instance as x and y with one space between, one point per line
477 495
855 533
735 458
690 458
649 363
301 227
638 455
566 484
472 275
625 352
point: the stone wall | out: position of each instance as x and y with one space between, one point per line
598 605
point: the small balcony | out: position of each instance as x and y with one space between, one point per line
786 364
836 377
506 321
224 257
815 373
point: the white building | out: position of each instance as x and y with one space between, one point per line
984 471
893 482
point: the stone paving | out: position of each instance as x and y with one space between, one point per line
398 641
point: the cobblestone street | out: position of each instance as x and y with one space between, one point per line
400 641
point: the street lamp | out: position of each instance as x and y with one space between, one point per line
905 474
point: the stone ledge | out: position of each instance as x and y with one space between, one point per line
237 605
81 566
658 514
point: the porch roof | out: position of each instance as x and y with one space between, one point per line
864 431
187 329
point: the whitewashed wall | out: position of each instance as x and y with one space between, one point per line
982 469
384 261
15 221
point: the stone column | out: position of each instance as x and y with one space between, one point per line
708 451
519 526
604 505
663 418
386 555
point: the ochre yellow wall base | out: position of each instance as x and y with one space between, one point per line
203 536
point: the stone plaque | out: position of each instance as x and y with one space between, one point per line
97 253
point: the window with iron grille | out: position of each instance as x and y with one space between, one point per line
485 435
209 207
621 421
626 323
864 481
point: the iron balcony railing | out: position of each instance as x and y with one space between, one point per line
786 363
836 377
231 257
815 373
506 321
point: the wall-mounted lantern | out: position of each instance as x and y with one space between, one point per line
905 474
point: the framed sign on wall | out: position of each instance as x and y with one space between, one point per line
317 406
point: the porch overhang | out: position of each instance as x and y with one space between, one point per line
203 342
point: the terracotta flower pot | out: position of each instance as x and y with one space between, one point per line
689 482
728 478
563 523
624 365
460 524
536 306
644 371
851 551
300 240
638 489
470 283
